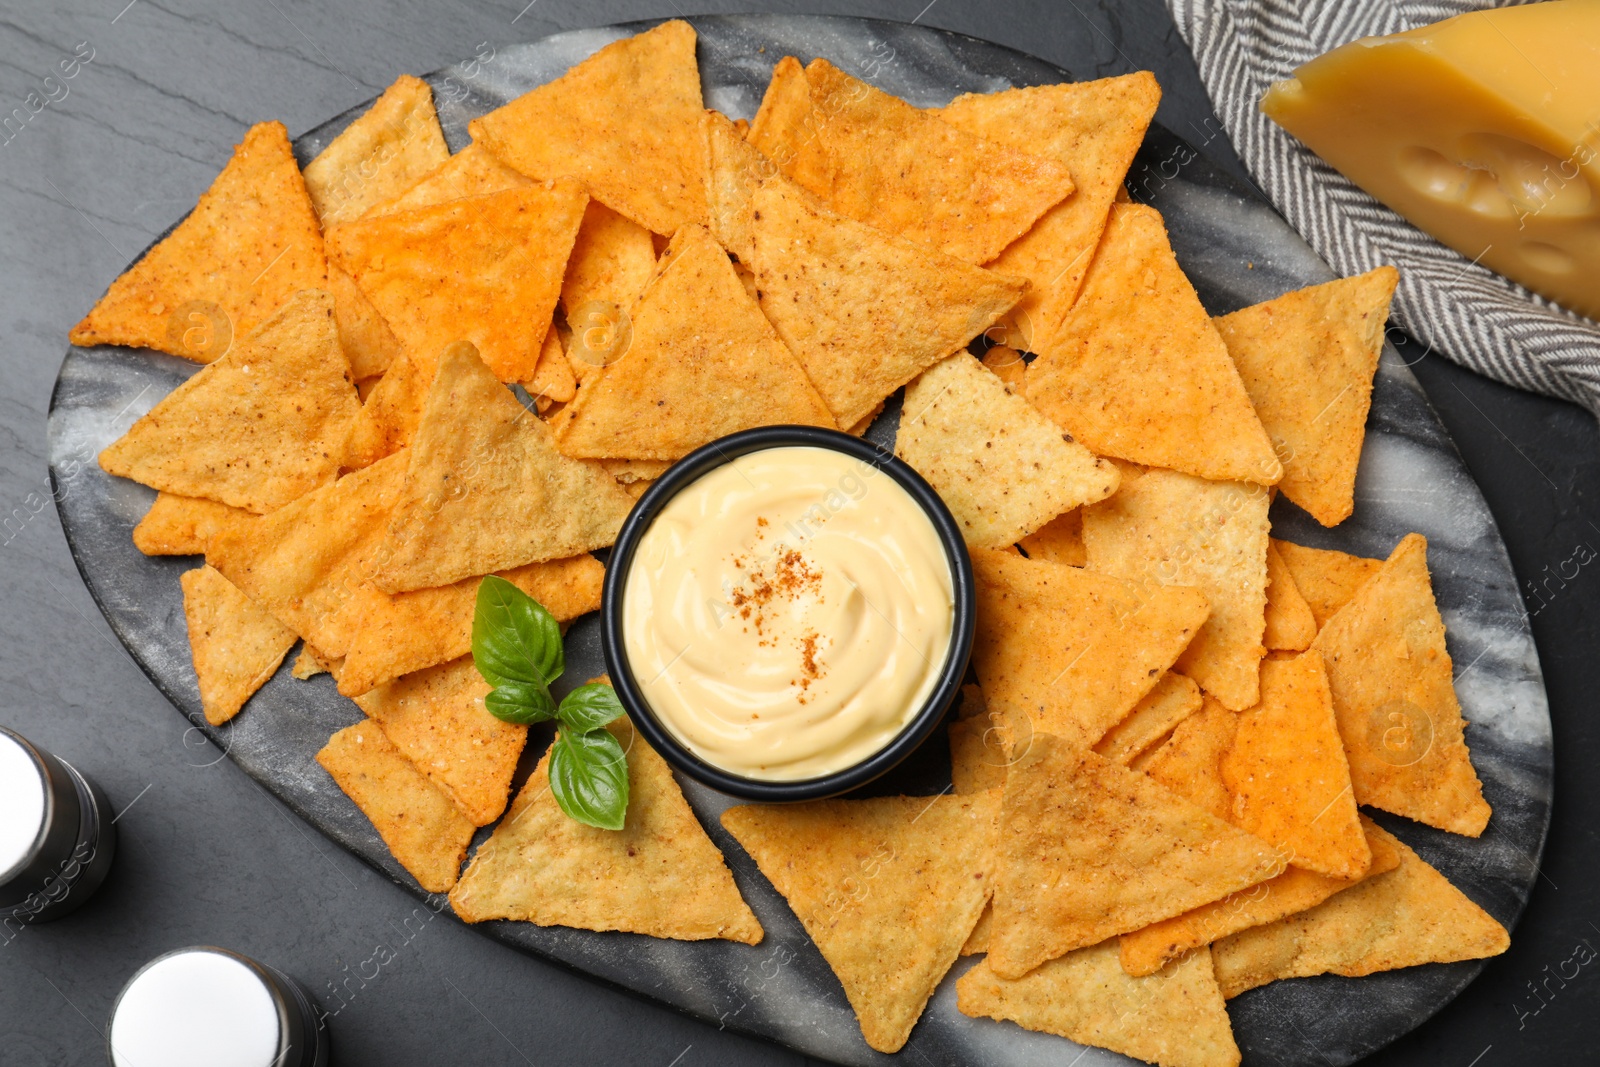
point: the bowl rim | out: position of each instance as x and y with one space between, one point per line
917 729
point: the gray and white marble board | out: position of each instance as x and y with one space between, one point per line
1237 251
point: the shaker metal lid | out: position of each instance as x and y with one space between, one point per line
196 1007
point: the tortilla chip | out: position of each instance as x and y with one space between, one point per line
486 489
977 942
181 525
978 755
267 423
613 261
876 159
1090 849
236 645
1179 530
486 269
1003 469
1076 651
1175 1018
437 720
1307 361
1058 541
1410 915
1390 673
704 363
1290 623
888 888
552 377
735 168
626 121
310 663
864 312
1094 127
1327 579
659 875
1137 370
395 144
369 346
784 126
1008 366
1190 762
1173 700
250 243
1295 890
390 415
473 171
407 632
415 818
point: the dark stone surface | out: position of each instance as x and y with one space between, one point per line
207 856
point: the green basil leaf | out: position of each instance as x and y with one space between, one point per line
514 639
521 702
589 707
589 777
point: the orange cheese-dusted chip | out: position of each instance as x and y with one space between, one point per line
1008 366
1290 625
181 525
369 346
552 377
392 410
1326 578
236 645
384 152
473 171
1190 761
1173 700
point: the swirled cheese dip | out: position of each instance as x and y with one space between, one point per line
788 613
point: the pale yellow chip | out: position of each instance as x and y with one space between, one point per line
552 377
1291 626
416 819
1003 469
388 149
876 159
391 412
1090 849
888 889
1175 529
1175 1018
473 171
181 525
626 121
369 346
1138 371
267 423
1093 127
865 312
251 242
1307 359
703 363
436 718
1390 673
310 663
486 490
1409 916
1327 578
1076 651
1173 700
659 875
486 269
236 645
612 262
1058 541
735 168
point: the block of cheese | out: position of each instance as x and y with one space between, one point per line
1483 130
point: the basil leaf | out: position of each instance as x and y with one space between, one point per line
589 707
521 702
589 777
514 639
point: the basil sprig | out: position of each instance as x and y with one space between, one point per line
516 645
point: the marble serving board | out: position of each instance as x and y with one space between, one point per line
1237 251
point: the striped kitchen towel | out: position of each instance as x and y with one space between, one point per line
1454 306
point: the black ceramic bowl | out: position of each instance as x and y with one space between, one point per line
688 470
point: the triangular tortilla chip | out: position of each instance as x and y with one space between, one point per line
881 161
250 242
735 168
310 663
926 863
1173 700
626 121
1190 762
1290 624
1147 951
1410 915
486 489
552 379
1076 651
236 645
486 269
784 129
704 363
659 875
388 149
267 423
1009 366
978 755
1137 371
1003 469
1175 1018
1327 578
612 262
1176 529
181 525
369 346
1058 541
864 312
1390 673
415 818
473 171
437 720
390 415
1090 849
1307 361
1094 127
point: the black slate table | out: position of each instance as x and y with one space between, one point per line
208 857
